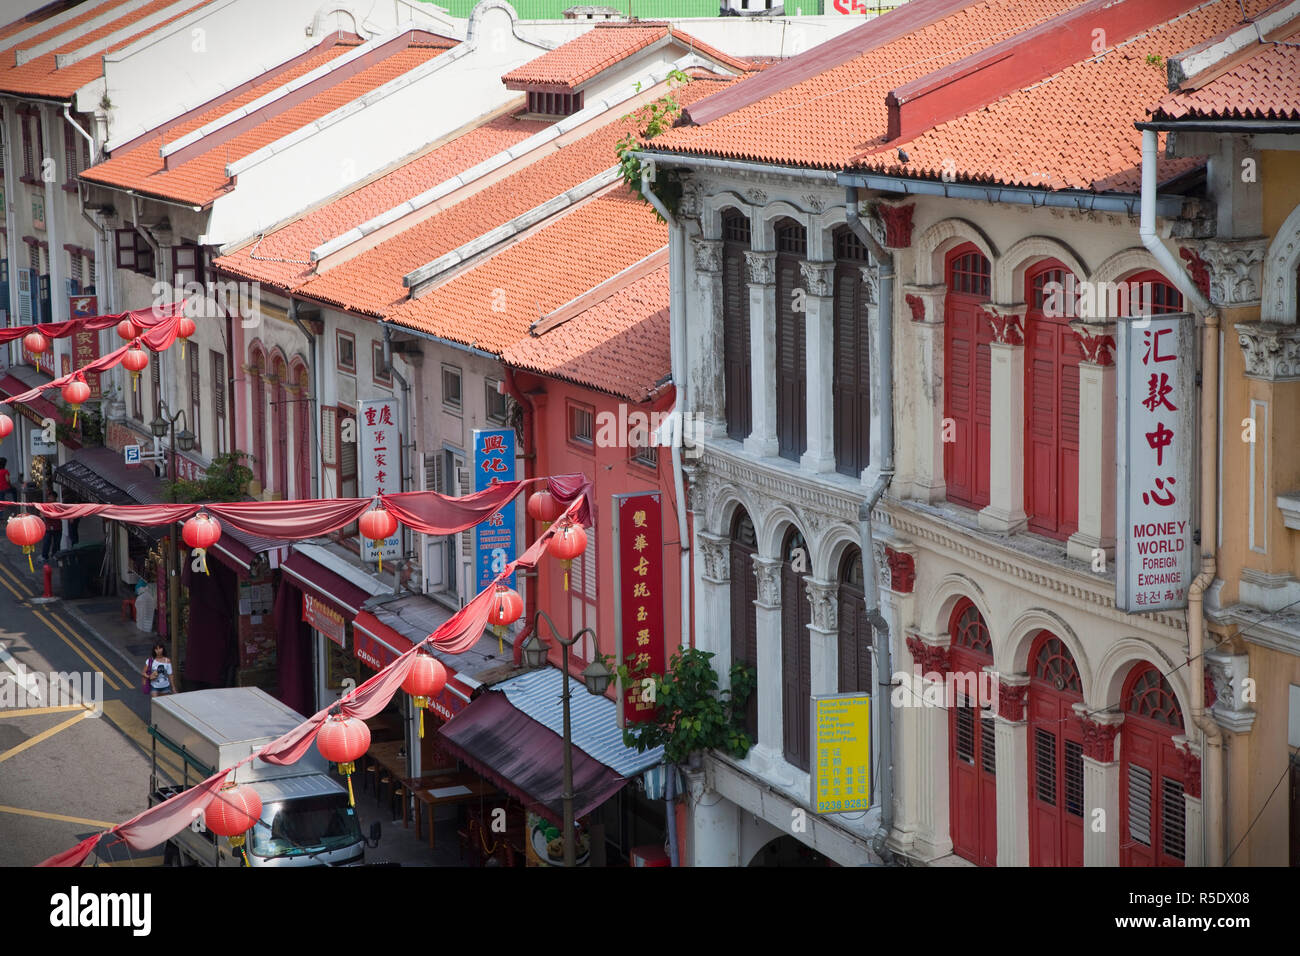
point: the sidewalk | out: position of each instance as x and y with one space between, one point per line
99 618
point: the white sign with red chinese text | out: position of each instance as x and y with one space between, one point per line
1156 442
380 438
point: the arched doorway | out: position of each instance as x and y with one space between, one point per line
1055 755
966 394
786 851
796 651
1152 809
791 346
735 323
972 748
1051 408
855 633
744 616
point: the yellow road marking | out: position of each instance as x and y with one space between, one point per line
97 824
124 719
126 682
4 569
33 741
141 861
69 637
37 711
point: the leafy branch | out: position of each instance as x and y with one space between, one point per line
653 118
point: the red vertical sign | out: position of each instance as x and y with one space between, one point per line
641 579
85 345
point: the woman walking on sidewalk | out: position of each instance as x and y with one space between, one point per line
158 671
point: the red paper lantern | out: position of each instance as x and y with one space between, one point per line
185 327
25 530
342 740
200 533
127 330
506 608
35 342
566 544
233 811
6 426
75 393
424 681
377 525
135 359
543 507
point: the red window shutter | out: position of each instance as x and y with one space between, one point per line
967 335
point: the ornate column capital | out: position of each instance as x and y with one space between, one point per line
817 277
1190 755
708 255
1236 270
1013 690
871 283
1096 341
1229 673
1272 350
767 571
824 598
898 224
1007 322
715 557
901 568
926 302
1099 732
761 267
931 658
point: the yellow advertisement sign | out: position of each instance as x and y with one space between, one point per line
841 753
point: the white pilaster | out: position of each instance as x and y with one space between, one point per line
929 653
819 304
925 306
1096 444
1006 508
823 596
768 616
1101 787
1012 742
761 442
706 334
713 598
714 824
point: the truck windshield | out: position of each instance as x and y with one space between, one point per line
311 825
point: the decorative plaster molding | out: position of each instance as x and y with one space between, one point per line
692 202
708 255
1006 323
756 196
1191 773
898 224
1099 732
931 658
815 202
1011 700
715 557
917 305
817 277
762 267
1096 341
1198 267
1272 350
1229 673
1236 267
768 573
824 598
871 283
902 570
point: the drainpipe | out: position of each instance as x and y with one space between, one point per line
677 341
526 406
1213 750
312 346
84 135
871 591
410 450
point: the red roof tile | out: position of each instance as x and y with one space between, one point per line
1266 85
41 77
33 18
201 178
371 282
491 304
572 64
619 344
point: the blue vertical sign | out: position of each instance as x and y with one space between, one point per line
494 539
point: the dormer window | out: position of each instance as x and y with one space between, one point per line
554 104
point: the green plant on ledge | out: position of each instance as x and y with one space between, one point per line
657 117
693 714
226 479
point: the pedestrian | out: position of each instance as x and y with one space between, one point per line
53 534
158 671
7 490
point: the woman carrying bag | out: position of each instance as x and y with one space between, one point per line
157 672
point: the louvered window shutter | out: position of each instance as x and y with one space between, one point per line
1139 805
25 297
1173 812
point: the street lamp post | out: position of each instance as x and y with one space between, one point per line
161 426
597 677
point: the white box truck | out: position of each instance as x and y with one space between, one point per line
306 819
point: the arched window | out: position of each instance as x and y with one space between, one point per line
280 426
851 384
257 399
744 616
1055 755
796 651
855 632
1150 293
735 323
1051 406
302 418
1152 806
972 748
791 351
966 338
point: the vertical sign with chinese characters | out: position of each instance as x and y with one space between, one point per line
1156 443
380 449
841 746
85 345
639 586
494 539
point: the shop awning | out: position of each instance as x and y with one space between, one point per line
99 475
512 735
241 548
36 409
325 584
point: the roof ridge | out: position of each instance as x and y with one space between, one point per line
599 293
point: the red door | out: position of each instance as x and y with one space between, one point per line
967 334
972 755
1152 809
1051 410
1055 756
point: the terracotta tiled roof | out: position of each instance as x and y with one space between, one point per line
571 64
1266 85
371 282
27 22
201 178
41 77
619 344
1070 129
491 304
296 240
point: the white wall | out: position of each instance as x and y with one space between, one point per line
737 36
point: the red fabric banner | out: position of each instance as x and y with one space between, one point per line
143 318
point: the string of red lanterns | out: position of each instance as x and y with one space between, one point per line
343 740
26 531
232 813
425 681
200 533
376 526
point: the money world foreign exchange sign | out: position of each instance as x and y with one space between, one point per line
639 589
1156 441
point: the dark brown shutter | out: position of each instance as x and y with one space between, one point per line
796 659
851 388
735 328
791 360
744 616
